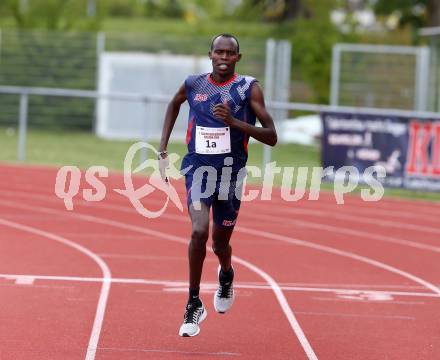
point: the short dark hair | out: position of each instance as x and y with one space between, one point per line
226 35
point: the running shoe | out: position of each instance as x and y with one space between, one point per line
195 313
224 296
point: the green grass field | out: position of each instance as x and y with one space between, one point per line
84 149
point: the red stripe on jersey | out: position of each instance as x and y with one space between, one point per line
245 137
189 131
212 81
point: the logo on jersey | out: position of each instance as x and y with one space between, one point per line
201 97
229 222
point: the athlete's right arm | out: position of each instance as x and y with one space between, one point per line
171 116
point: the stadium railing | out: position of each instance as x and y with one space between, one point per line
25 92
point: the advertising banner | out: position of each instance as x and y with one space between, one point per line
407 148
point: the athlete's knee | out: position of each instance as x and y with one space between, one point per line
199 236
220 248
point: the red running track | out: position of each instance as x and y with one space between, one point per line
315 280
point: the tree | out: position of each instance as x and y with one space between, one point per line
51 14
292 9
273 10
433 10
416 13
312 36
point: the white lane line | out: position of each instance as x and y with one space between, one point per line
283 208
25 280
375 263
80 234
357 210
38 287
347 231
313 225
337 286
194 353
310 224
354 300
305 223
360 211
418 208
364 220
310 244
94 279
276 289
203 290
150 257
105 288
338 252
271 236
214 285
393 317
426 206
16 216
278 219
284 305
342 285
142 257
280 206
415 206
376 287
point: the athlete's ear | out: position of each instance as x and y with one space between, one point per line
239 57
210 54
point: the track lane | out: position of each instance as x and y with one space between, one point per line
262 242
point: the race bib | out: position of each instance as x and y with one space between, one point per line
213 140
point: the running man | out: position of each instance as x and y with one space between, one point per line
223 111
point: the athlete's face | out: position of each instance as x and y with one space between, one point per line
224 56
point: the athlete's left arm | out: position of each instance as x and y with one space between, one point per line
267 134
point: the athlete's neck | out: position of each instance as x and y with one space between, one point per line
221 78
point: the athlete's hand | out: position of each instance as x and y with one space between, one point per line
164 164
223 112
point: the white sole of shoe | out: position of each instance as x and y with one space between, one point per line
215 294
203 317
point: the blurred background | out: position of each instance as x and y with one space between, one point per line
58 57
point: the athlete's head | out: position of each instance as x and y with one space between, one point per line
224 54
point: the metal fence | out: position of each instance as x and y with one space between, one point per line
381 76
24 94
49 59
433 36
70 60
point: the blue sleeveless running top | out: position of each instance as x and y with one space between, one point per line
203 93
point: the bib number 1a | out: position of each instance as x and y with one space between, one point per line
213 140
